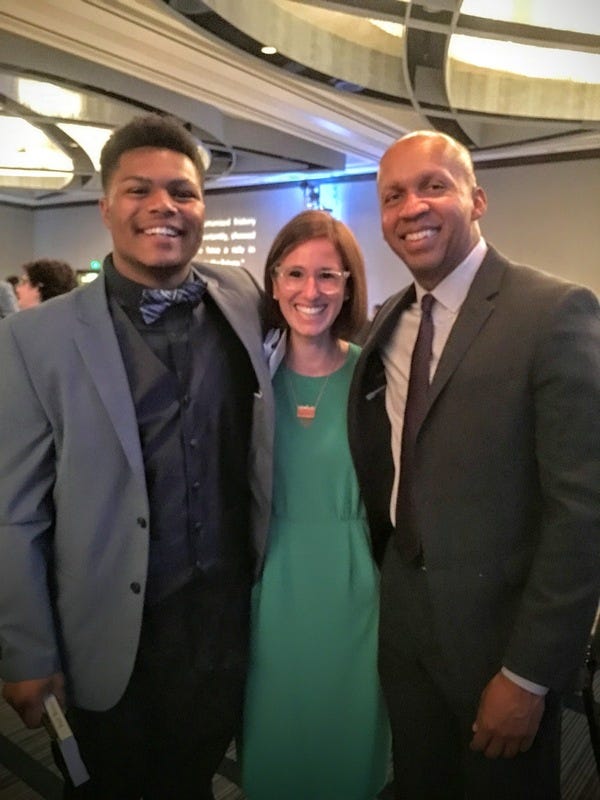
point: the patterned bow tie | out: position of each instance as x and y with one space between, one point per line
155 302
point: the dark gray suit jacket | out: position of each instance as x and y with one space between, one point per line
73 496
507 472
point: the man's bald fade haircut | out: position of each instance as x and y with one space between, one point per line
152 130
461 154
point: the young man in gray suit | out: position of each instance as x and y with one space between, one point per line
488 508
135 478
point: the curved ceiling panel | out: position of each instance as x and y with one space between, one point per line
490 73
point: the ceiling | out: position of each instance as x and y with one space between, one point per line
347 79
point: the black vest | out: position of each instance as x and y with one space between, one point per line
194 422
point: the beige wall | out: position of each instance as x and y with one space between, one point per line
547 215
74 234
16 239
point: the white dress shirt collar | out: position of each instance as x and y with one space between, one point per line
451 292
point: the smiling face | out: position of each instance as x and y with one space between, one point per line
154 211
308 311
429 206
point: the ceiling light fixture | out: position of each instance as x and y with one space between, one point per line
580 16
29 158
89 137
524 59
49 99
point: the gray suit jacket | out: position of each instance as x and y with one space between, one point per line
508 472
8 300
72 487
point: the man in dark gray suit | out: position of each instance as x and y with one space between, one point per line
491 573
135 478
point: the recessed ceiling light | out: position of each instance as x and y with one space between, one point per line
268 50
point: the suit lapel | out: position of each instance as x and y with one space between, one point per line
234 306
95 337
385 322
476 309
96 340
372 376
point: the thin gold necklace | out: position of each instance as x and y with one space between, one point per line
305 413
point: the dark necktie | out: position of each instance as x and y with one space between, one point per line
408 540
155 302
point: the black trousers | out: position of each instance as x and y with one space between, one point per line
169 732
431 722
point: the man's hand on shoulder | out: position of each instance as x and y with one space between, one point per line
27 697
508 718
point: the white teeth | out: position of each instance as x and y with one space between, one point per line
311 310
418 235
161 231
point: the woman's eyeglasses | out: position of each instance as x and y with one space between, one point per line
328 281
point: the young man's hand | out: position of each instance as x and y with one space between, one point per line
27 697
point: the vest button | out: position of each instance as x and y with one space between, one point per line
135 587
141 522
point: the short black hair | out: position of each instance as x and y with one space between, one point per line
152 130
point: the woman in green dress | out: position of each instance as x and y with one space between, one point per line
315 727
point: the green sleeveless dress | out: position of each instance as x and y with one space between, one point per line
315 726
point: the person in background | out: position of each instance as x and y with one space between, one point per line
135 482
8 300
43 279
475 432
314 720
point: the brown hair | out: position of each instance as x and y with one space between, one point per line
51 277
302 228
